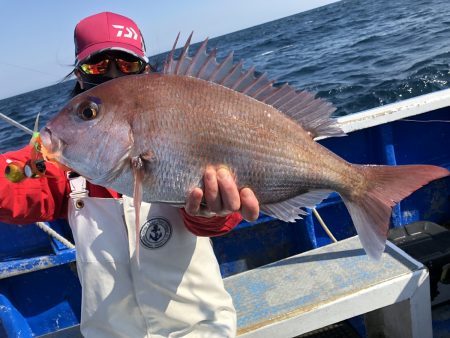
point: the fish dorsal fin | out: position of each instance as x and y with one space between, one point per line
291 209
314 114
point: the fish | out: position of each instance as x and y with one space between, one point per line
152 136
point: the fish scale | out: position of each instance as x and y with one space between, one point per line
239 143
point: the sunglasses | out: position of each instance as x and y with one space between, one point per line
99 64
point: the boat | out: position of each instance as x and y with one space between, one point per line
39 288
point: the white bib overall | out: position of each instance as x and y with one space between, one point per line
175 291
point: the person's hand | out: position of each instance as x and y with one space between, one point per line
222 196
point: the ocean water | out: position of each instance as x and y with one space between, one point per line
356 54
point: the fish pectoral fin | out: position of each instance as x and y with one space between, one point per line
138 174
290 210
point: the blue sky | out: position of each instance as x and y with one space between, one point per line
36 37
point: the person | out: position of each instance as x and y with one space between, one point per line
175 288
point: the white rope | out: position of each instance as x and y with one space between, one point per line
324 226
55 235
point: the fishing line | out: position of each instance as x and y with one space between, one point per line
90 83
16 124
27 68
427 121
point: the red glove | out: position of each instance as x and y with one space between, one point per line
210 227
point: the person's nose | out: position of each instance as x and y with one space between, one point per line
113 71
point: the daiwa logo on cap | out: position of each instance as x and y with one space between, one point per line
131 33
155 233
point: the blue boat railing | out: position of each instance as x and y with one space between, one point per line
39 287
31 249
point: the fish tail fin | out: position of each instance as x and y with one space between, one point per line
370 206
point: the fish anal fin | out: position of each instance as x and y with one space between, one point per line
290 210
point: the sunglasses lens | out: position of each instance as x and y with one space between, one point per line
129 67
125 63
100 67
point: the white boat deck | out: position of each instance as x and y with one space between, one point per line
330 284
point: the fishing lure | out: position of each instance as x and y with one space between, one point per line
16 171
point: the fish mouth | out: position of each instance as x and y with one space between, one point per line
51 146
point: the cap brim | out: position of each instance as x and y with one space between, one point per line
101 47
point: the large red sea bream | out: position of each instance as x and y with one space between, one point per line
158 132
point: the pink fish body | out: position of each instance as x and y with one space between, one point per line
197 113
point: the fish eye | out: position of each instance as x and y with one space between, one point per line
88 112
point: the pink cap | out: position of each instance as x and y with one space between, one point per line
107 31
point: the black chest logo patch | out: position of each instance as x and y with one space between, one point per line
155 233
